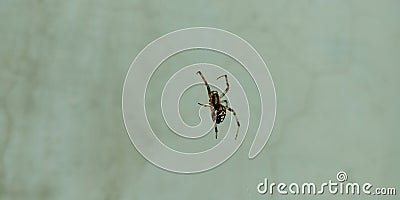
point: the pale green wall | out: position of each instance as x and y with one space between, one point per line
62 64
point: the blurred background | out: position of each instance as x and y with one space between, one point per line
63 64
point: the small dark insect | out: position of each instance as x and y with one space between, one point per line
218 110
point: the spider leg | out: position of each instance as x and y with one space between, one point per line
214 117
204 105
226 102
205 82
216 130
237 120
227 85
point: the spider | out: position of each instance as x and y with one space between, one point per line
218 110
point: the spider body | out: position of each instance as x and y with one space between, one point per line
218 110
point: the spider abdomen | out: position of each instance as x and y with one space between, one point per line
221 113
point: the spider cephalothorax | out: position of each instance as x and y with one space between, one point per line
218 110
